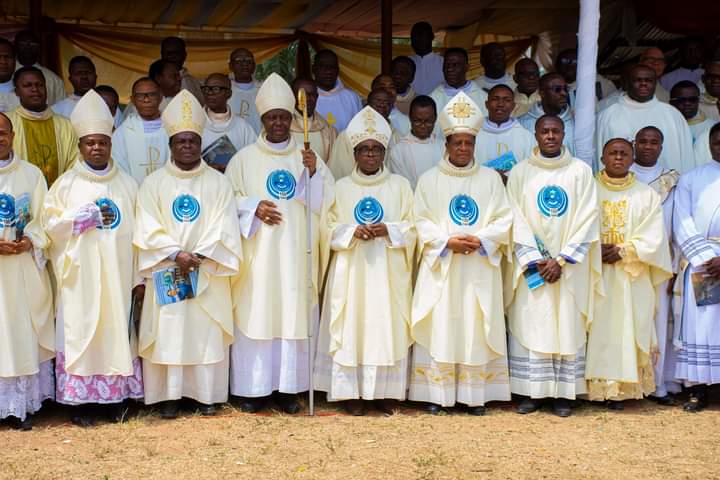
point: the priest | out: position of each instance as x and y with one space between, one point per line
402 71
322 135
44 138
554 100
89 215
494 63
398 120
527 76
364 338
27 51
27 336
455 68
270 353
140 144
622 342
8 99
685 96
463 220
188 248
555 271
244 86
336 103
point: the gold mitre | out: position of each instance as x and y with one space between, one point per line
461 115
184 114
92 116
274 93
368 124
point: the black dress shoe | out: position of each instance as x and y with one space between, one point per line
388 407
252 404
207 410
288 402
561 407
695 403
117 413
615 405
434 409
356 408
22 425
666 401
478 411
82 417
529 405
169 410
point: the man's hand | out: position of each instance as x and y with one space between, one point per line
187 262
379 230
139 292
550 270
671 284
108 216
364 232
464 244
8 248
309 161
23 245
713 267
610 253
268 213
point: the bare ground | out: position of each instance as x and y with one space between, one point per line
644 441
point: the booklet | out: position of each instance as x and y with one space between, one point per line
171 286
23 216
219 152
532 274
504 162
706 288
136 305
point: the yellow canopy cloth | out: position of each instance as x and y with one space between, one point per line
27 330
622 335
457 312
94 271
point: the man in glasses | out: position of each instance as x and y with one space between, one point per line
140 144
639 108
27 49
527 77
225 132
244 86
685 96
710 98
566 65
553 101
654 58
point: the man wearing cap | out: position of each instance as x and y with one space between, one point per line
188 247
89 215
270 295
463 221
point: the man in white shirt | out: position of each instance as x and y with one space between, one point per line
494 62
429 71
402 70
691 55
27 50
455 68
685 96
336 103
566 65
244 86
8 99
172 49
710 97
82 76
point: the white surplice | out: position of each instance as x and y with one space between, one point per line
411 156
338 106
428 73
511 137
140 146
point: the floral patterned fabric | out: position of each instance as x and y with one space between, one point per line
23 396
76 390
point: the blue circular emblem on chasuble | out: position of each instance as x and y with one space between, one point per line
369 211
102 202
7 210
281 185
552 201
463 210
186 208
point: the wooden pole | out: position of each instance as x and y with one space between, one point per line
36 17
386 34
302 59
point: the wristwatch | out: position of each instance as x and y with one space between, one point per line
560 261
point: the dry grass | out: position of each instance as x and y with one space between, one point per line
645 441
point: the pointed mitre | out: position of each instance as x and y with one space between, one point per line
275 93
92 116
460 115
184 114
368 124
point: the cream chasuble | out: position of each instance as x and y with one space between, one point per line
366 316
457 312
698 124
271 302
242 102
622 336
554 201
46 140
94 271
190 211
411 156
524 102
27 329
536 111
626 117
709 106
229 124
140 147
403 100
322 136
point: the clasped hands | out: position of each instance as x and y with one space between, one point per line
370 232
17 247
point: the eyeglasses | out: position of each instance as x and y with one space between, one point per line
558 88
146 95
693 99
243 61
422 123
568 61
370 151
214 89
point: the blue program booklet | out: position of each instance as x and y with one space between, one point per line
171 286
504 162
22 214
532 274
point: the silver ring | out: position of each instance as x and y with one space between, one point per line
467 252
365 237
192 269
267 219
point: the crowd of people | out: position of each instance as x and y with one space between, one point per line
441 242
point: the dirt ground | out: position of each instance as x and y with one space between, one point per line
644 441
